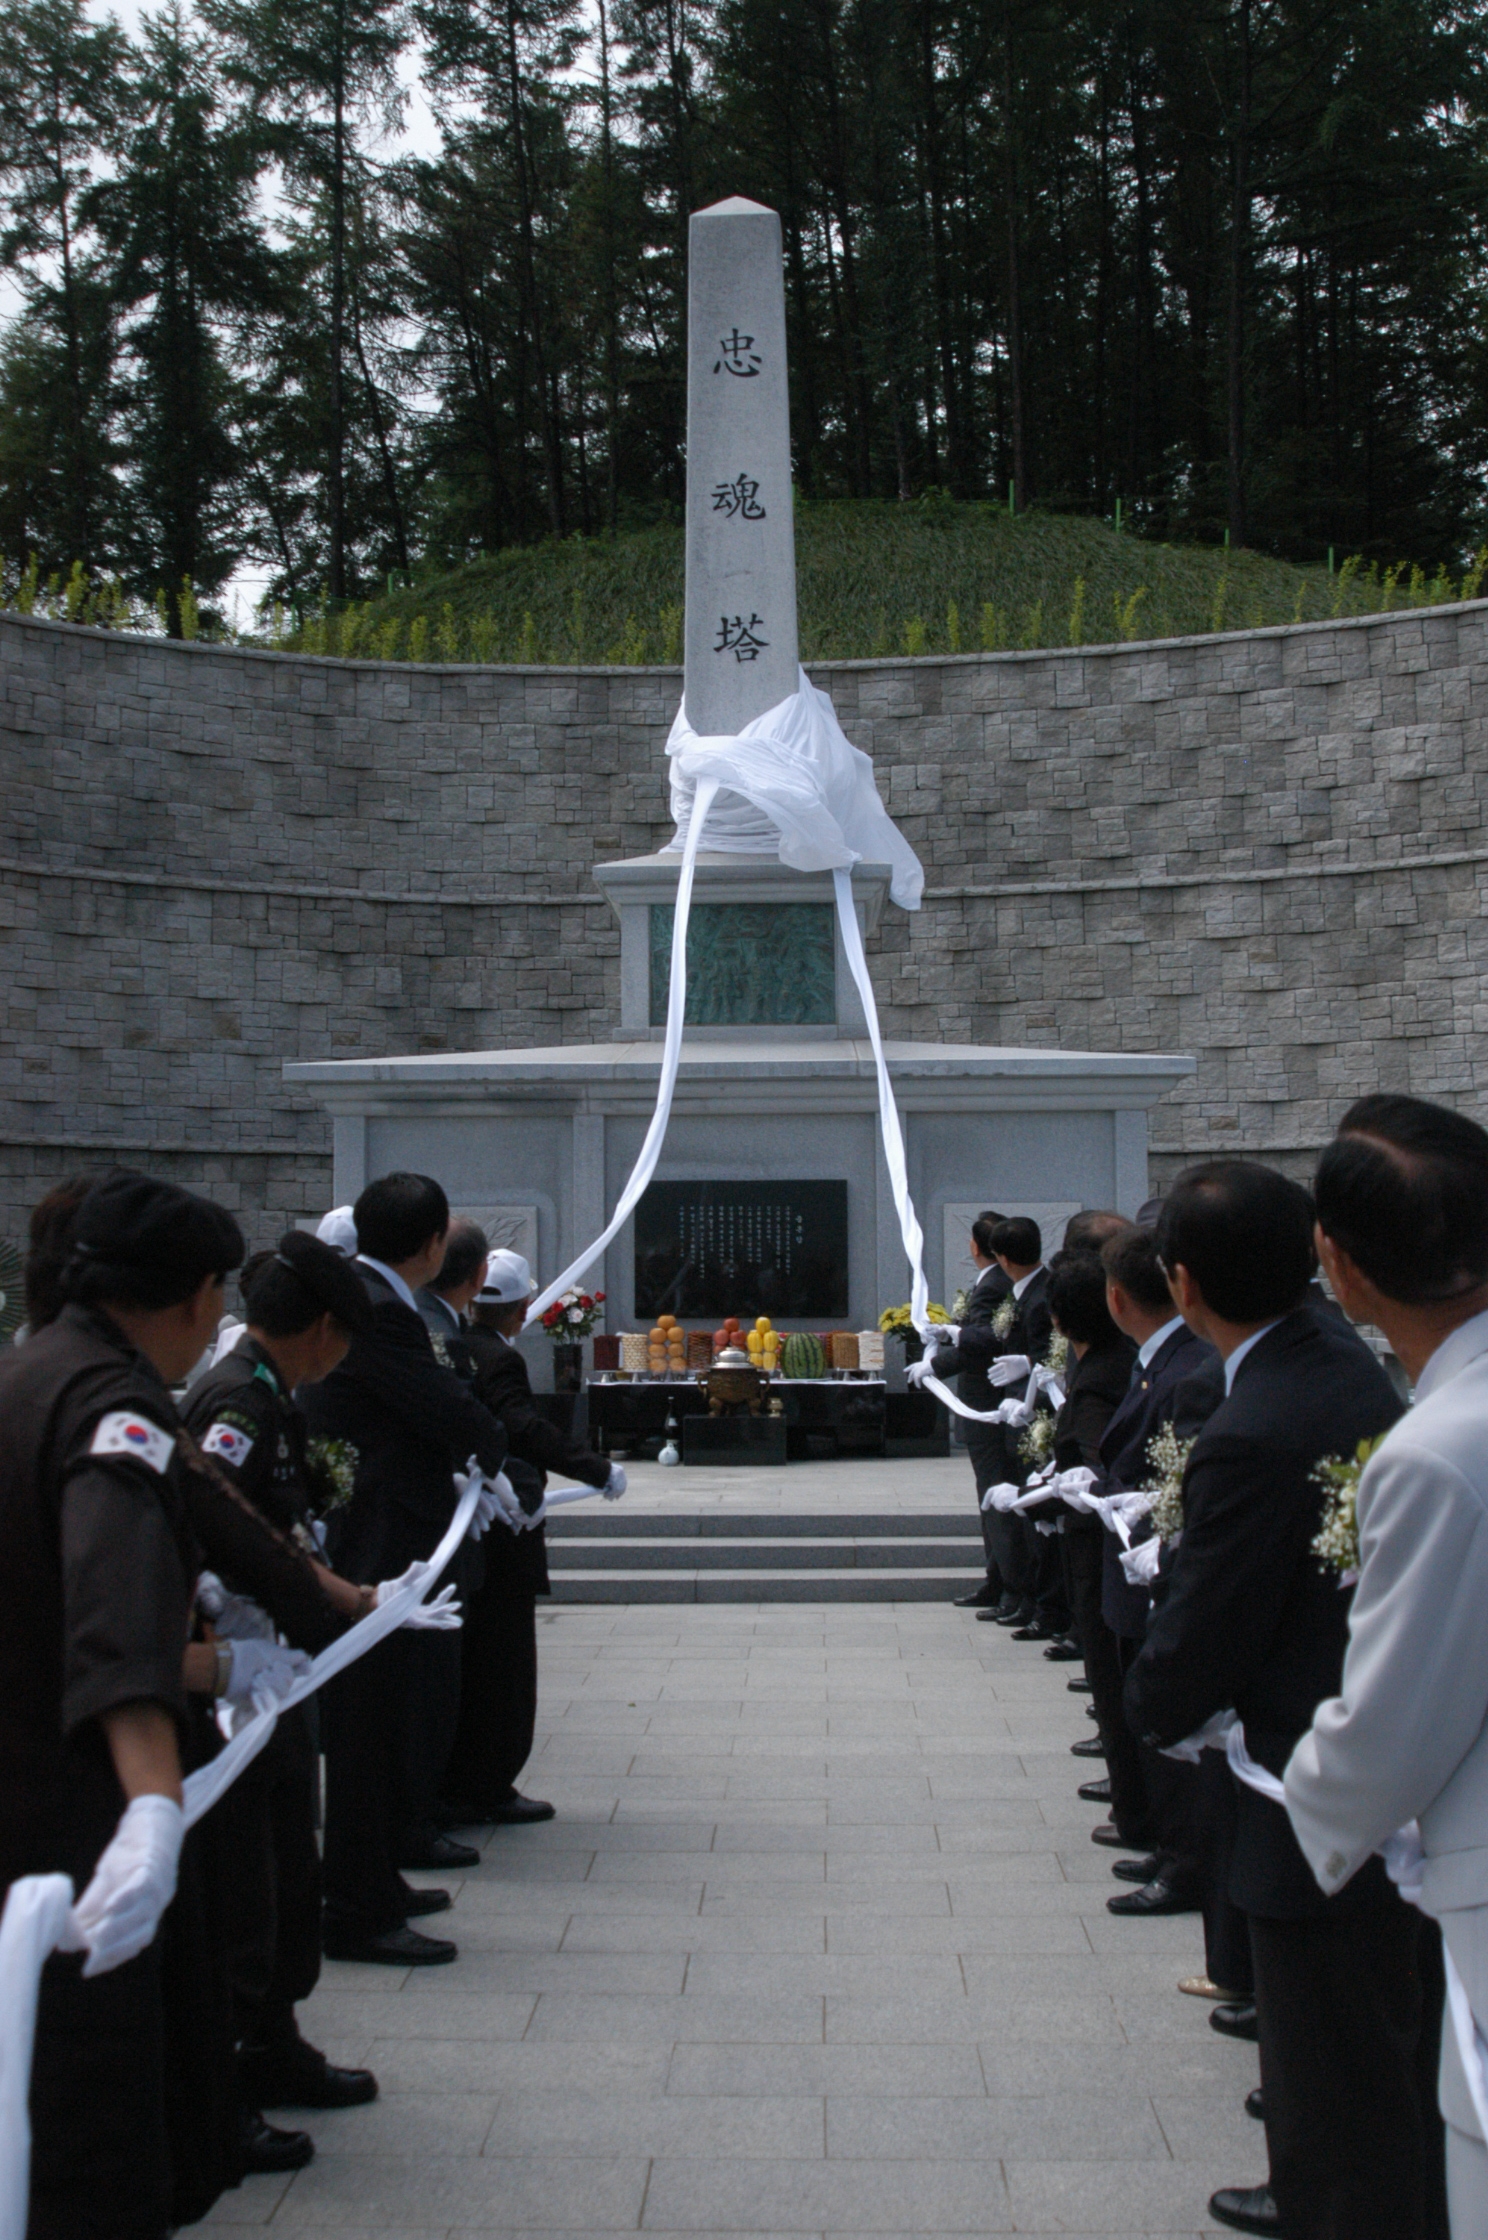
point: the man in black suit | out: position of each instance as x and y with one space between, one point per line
413 1422
1177 1380
1253 1620
498 1699
986 1443
992 1357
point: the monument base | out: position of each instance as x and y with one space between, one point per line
538 1144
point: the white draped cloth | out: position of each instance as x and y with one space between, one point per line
791 784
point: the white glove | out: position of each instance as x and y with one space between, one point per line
507 1504
1405 1861
918 1371
1000 1498
261 1672
947 1333
387 1588
1210 1736
1073 1485
442 1615
1017 1414
1009 1368
615 1483
118 1914
1140 1563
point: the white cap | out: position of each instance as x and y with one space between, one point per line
508 1279
339 1229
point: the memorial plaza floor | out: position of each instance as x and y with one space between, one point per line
817 1944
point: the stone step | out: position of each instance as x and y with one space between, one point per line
840 1585
908 1551
616 1520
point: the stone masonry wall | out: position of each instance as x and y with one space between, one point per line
1265 848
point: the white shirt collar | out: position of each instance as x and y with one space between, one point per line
1024 1281
1235 1359
1151 1347
1454 1354
390 1276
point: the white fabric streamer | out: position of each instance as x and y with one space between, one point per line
201 1789
671 1054
38 1908
1402 1855
35 1919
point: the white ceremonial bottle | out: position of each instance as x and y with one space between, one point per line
740 638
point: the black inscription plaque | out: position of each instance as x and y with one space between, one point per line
707 1249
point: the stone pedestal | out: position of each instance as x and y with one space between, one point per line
558 1131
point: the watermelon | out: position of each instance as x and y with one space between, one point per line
801 1355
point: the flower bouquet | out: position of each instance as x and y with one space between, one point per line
895 1323
573 1316
1167 1459
1337 1544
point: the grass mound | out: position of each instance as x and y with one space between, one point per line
876 580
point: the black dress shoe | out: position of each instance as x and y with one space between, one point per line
1037 1629
269 2152
1110 1835
1079 1686
416 1903
987 1597
440 1851
395 1948
1090 1747
520 1812
1160 1896
1246 2209
1235 2021
1064 1652
1140 1871
299 2076
1255 2104
1020 1615
1095 1792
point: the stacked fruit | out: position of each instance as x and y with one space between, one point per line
764 1344
666 1348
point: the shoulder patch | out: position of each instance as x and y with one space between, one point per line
233 1445
126 1433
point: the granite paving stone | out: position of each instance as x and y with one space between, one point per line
816 1946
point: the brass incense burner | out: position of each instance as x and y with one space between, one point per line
733 1382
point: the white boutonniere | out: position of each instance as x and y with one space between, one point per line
1167 1459
1056 1360
1337 1544
1002 1321
441 1350
1036 1447
331 1468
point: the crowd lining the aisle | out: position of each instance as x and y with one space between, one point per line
1200 1491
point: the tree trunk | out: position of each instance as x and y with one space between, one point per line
1239 260
336 463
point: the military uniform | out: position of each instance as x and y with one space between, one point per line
97 1565
253 1514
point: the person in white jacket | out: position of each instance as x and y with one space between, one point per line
1402 1203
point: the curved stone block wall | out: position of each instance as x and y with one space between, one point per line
1265 848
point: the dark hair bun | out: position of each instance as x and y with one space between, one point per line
330 1278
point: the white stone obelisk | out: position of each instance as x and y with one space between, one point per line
741 549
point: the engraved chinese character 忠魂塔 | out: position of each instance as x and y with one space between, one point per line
739 356
738 498
739 637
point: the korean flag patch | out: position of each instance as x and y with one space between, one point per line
125 1433
233 1446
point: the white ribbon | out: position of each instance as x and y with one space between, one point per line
38 1906
1403 1859
35 1917
671 1055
